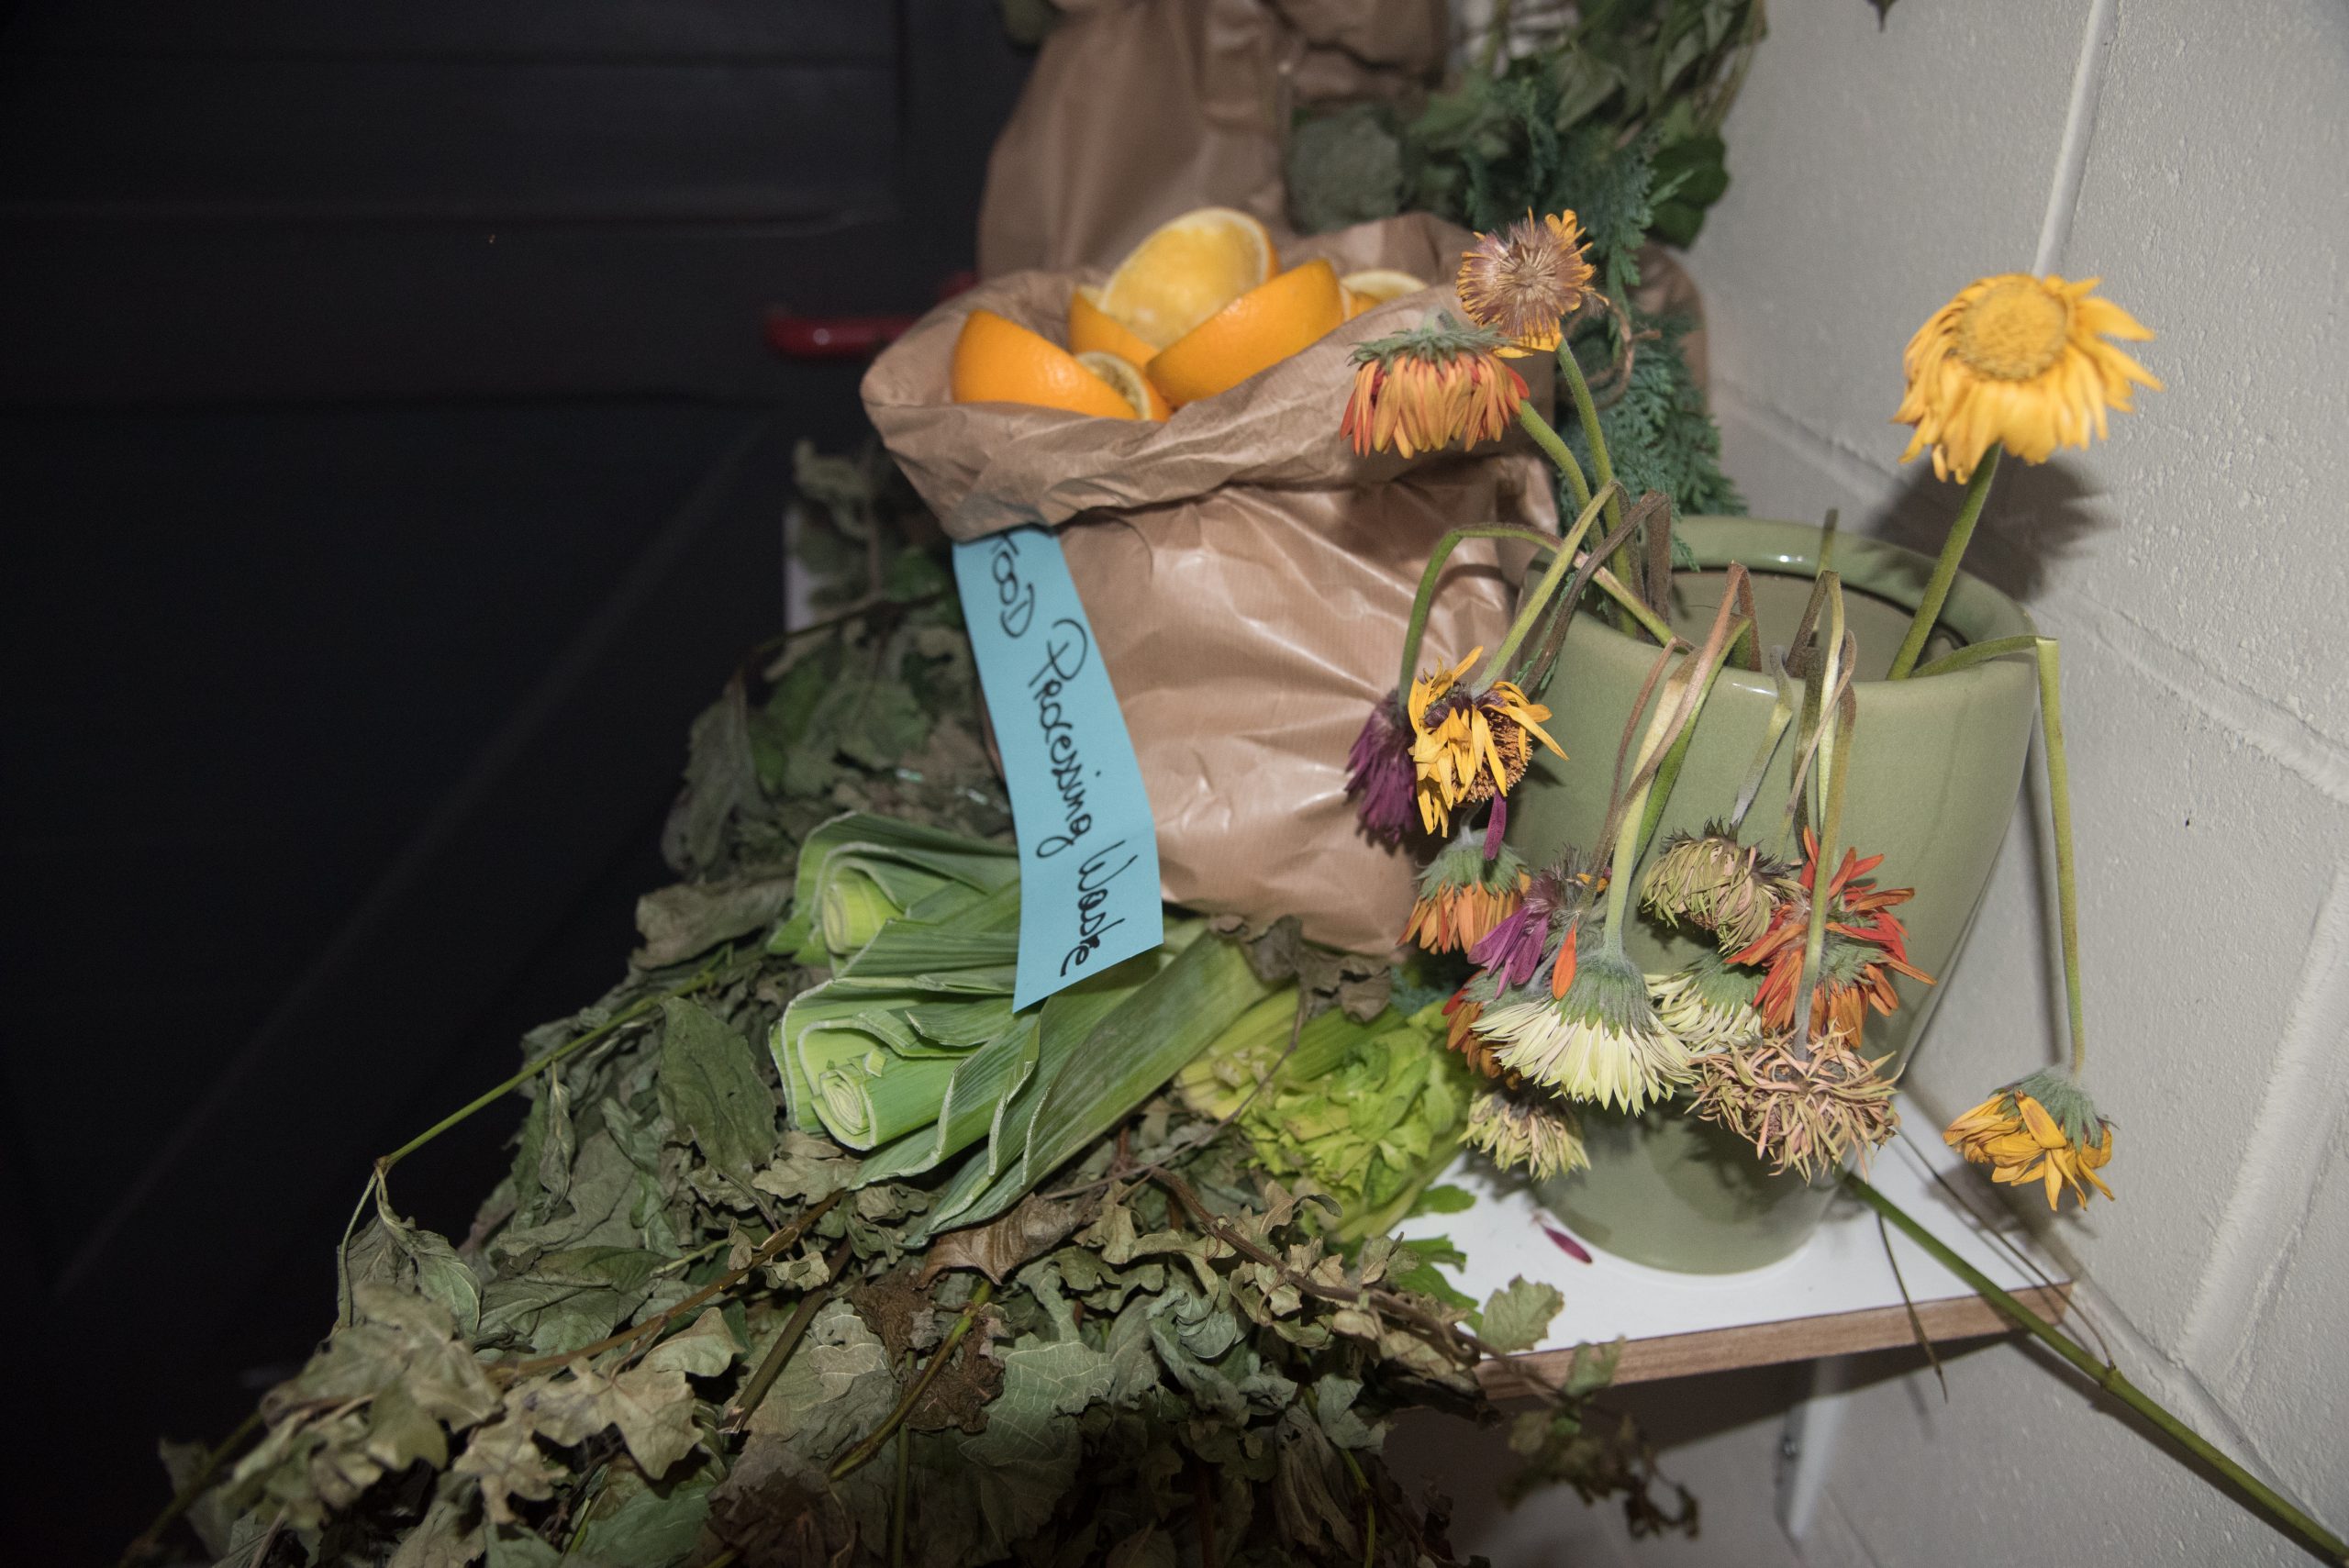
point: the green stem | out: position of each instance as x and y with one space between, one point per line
743 1405
1550 441
2059 808
1830 774
1561 562
1634 606
1961 532
2109 1378
561 1054
1626 855
1424 600
198 1484
863 1452
1586 410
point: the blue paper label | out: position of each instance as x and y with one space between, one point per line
1088 846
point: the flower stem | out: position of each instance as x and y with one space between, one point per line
1586 410
1551 442
1961 532
1424 600
2265 1498
2059 808
1833 748
1561 562
863 1452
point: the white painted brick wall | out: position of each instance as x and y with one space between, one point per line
2196 158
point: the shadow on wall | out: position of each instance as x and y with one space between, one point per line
2037 516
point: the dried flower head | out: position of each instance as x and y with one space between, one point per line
2021 360
1600 1039
1460 1016
1707 1004
1712 881
1464 892
2044 1128
1425 388
1380 774
1469 747
1802 1112
1867 944
1529 1132
1523 280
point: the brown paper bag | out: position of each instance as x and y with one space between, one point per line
1139 109
1247 575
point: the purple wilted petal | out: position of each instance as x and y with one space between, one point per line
1380 774
1496 828
1567 1244
1512 950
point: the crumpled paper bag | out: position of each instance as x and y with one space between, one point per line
1248 576
1139 109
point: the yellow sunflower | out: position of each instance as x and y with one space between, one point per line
2020 360
2042 1130
1469 747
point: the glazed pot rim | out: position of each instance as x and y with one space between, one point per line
1975 611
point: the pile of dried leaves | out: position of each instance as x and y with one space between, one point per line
677 1333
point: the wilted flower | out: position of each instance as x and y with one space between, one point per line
1527 1132
1464 894
1600 1040
1865 940
1712 881
2044 1128
1709 1006
2020 360
1380 774
1469 747
1523 280
1424 388
1804 1114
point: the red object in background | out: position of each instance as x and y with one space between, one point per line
846 336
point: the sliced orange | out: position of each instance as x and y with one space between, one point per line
998 361
1186 270
1259 329
1375 287
1092 329
1126 378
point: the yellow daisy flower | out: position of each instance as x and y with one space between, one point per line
2020 360
1468 747
2042 1130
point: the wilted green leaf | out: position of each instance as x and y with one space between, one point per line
711 1087
1518 1315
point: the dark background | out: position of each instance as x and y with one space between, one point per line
391 466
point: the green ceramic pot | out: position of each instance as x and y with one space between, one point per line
1935 766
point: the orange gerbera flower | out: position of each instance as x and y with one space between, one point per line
1421 390
1867 944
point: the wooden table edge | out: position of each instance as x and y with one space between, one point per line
1788 1340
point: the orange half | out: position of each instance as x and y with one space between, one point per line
998 361
1188 270
1092 329
1126 377
1254 332
1366 289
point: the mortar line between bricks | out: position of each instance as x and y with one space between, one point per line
2079 130
2301 1112
2267 727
